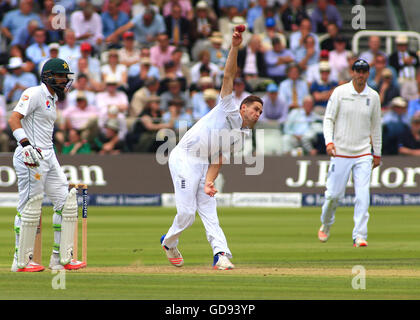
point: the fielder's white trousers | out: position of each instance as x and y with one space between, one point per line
188 176
48 178
338 176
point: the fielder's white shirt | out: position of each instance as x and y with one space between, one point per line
218 132
37 105
352 119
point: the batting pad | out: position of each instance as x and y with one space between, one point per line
29 222
68 225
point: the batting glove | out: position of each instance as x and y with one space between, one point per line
31 155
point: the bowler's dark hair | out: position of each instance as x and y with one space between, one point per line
251 99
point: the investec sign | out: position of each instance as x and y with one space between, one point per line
141 174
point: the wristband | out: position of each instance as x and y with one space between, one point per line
19 134
25 143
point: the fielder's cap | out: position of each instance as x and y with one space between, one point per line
54 46
360 64
324 54
201 5
399 102
270 22
15 63
324 66
113 124
111 79
387 73
128 35
85 46
210 94
401 39
272 87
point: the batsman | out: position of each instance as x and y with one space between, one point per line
38 171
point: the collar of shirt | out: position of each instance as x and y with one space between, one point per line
47 92
353 91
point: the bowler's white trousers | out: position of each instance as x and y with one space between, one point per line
188 176
338 176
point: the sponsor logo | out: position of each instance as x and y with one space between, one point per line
25 97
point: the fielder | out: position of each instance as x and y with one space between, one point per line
195 163
38 171
352 128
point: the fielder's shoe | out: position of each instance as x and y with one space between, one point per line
359 242
323 234
72 265
222 262
31 267
173 254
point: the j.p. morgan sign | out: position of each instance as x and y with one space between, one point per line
140 173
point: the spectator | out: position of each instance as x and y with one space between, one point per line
275 109
181 70
255 12
115 69
113 18
70 51
202 24
93 64
302 128
53 33
147 126
177 27
251 60
269 19
240 5
17 80
146 28
141 96
122 5
270 32
169 74
81 85
322 90
293 90
108 141
145 70
128 54
210 97
141 6
75 144
227 32
277 60
293 15
346 74
218 55
226 19
4 137
111 96
414 103
17 51
204 60
397 112
308 55
16 19
387 90
174 92
403 61
323 14
409 142
119 120
313 73
94 79
239 92
297 37
185 6
338 58
87 25
161 52
178 115
38 51
198 103
25 36
332 33
82 117
375 73
46 12
374 50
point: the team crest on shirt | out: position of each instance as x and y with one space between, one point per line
48 104
25 97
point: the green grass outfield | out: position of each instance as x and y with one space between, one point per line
276 253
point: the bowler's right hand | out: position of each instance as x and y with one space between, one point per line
31 155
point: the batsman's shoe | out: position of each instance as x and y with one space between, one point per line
359 242
173 254
323 234
222 262
72 265
31 267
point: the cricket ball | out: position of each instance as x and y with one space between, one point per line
241 28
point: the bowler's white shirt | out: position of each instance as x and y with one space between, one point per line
352 119
222 122
37 105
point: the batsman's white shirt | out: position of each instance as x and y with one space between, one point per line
37 105
188 164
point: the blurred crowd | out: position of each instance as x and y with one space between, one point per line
142 65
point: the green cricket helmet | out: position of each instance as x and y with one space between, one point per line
53 71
